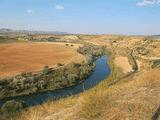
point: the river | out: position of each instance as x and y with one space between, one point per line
100 73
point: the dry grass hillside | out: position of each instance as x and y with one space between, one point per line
131 92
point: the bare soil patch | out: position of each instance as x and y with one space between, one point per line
123 63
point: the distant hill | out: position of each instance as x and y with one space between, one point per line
11 31
154 37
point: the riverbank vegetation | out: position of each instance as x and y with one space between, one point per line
48 79
11 108
135 96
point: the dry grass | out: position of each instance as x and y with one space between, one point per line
133 98
123 64
19 57
136 99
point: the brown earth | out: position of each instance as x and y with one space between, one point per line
123 63
24 57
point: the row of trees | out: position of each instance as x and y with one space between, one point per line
49 39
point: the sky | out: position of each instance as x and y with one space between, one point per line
136 17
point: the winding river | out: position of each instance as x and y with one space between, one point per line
100 73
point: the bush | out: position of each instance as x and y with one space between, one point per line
93 50
52 39
67 44
46 70
59 64
12 106
155 63
142 51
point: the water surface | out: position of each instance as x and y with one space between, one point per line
100 73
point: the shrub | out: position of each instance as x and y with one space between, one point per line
12 106
46 70
67 44
155 63
93 50
142 51
59 64
52 39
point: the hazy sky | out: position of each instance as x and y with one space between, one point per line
82 16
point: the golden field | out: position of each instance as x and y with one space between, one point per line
32 57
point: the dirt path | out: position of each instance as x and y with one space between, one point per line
150 58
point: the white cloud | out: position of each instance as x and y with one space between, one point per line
59 7
148 2
29 11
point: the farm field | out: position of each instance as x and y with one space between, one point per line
28 57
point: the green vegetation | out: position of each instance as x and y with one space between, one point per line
6 39
69 44
92 50
11 108
121 96
142 51
49 39
155 63
49 78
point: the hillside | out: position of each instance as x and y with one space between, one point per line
18 32
132 91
